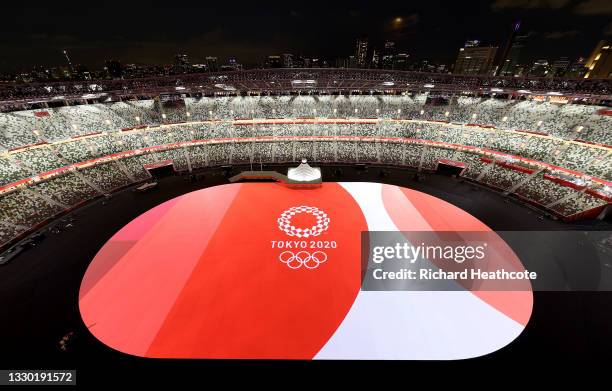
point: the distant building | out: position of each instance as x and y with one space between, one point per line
560 67
181 60
442 68
114 69
299 61
82 72
375 59
180 64
212 64
287 60
273 62
599 63
540 68
201 67
509 57
233 64
400 61
387 55
38 73
514 57
342 62
361 52
577 68
475 60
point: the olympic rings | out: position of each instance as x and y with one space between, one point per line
284 222
302 258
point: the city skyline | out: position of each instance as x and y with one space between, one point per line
434 31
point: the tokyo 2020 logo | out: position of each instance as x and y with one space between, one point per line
303 257
284 222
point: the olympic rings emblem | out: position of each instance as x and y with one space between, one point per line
284 222
303 258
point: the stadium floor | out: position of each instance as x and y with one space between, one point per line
39 289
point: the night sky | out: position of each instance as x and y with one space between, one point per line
250 31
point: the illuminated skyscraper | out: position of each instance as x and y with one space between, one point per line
599 63
388 53
361 52
509 57
474 60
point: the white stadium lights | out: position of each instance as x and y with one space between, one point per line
179 88
225 87
429 86
524 92
388 83
497 90
309 81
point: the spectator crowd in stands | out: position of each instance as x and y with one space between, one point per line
403 130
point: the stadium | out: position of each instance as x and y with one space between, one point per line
92 171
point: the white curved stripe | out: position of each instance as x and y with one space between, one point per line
412 324
369 197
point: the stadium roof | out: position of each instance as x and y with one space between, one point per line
14 96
